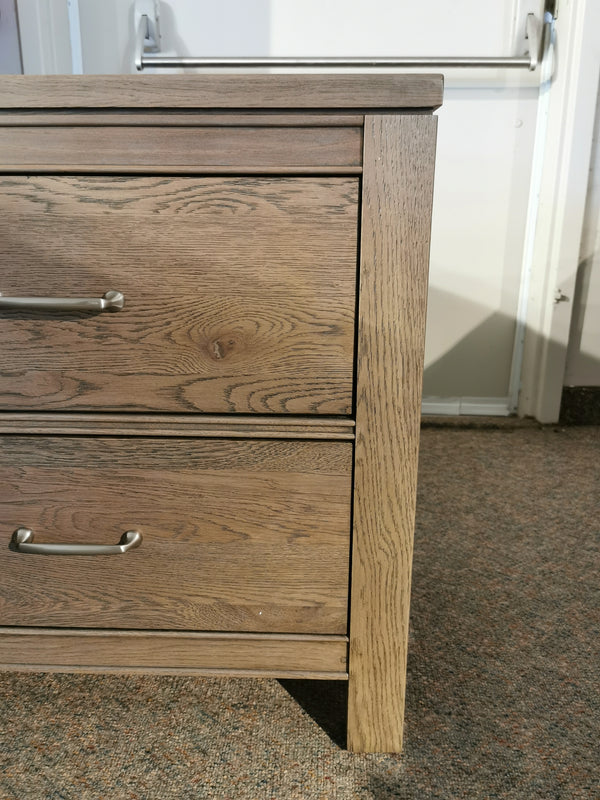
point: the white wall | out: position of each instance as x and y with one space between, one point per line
481 191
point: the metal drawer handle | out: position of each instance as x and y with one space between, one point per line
111 301
23 541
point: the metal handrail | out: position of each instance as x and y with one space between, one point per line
147 39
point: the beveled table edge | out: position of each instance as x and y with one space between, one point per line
364 92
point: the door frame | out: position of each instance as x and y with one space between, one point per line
561 203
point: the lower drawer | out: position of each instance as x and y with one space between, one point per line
237 535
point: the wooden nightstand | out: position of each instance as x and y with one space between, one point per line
211 326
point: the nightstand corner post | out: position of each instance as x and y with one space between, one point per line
398 171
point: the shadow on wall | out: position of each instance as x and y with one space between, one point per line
478 364
581 366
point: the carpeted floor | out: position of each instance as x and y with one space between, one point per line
504 665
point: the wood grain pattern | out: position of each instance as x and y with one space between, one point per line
65 148
240 303
237 535
397 197
270 655
237 91
140 169
240 294
110 118
235 426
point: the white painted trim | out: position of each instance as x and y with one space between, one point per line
442 406
44 33
563 191
535 185
468 406
75 37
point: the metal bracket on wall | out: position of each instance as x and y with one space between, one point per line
148 44
147 27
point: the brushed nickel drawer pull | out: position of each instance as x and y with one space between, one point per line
111 301
23 541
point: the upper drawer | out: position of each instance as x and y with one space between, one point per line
239 293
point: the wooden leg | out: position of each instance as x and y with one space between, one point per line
396 211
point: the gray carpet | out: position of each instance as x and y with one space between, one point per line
504 665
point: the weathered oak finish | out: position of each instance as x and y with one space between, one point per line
229 427
84 149
260 92
239 294
166 118
396 208
237 535
272 655
234 411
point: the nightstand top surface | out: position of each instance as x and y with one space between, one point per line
352 92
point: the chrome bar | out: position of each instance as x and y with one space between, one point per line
174 62
111 301
145 43
23 542
535 41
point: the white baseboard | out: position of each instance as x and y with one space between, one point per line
475 406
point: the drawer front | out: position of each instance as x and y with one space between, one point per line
75 148
237 535
239 293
